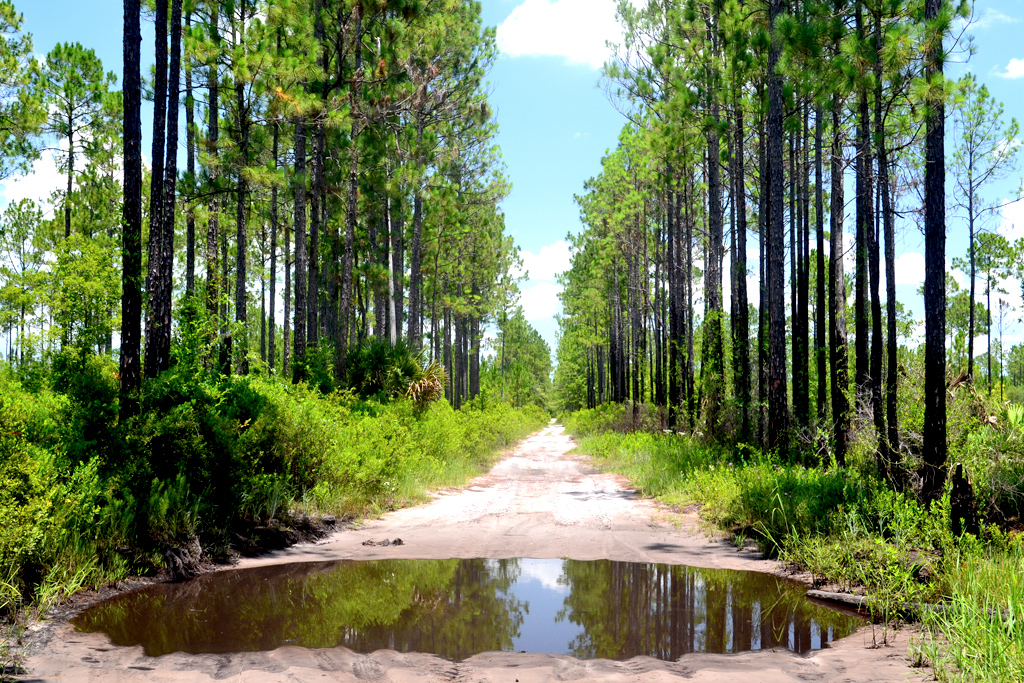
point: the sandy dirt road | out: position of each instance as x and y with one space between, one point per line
539 502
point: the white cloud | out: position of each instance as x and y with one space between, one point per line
540 301
573 29
1015 69
549 262
910 269
546 572
1012 225
37 185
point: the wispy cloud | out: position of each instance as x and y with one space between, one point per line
993 17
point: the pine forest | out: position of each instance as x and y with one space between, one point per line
275 284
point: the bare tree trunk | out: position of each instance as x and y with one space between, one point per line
156 187
821 305
741 344
316 196
131 234
190 171
713 357
891 439
778 412
341 344
285 326
241 351
213 224
163 292
933 472
837 303
274 219
299 369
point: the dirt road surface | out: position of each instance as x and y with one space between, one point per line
539 502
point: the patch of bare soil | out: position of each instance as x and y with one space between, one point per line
537 502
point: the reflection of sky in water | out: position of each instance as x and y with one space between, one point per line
539 587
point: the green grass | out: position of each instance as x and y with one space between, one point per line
980 637
849 531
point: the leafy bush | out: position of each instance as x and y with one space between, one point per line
86 498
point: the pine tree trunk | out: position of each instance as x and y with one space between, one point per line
890 440
778 416
713 357
274 219
449 389
71 175
241 346
762 312
299 191
862 320
190 171
691 407
474 359
341 344
163 292
156 187
803 273
933 455
821 306
285 322
416 254
741 343
213 224
837 302
131 234
396 272
675 303
316 196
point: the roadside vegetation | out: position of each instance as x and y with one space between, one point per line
157 410
87 499
850 530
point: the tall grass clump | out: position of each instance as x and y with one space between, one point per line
978 635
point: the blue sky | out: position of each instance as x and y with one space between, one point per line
556 122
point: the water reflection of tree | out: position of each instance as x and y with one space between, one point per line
454 608
629 609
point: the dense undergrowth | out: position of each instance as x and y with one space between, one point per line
850 530
86 499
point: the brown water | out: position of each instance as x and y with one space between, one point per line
457 608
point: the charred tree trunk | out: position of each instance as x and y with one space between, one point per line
156 188
778 412
131 216
933 472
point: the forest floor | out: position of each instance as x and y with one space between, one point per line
539 501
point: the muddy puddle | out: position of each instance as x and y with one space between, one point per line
458 608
